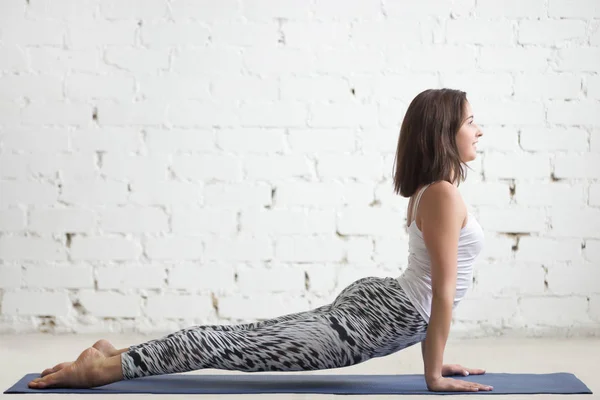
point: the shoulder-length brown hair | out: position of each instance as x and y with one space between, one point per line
427 150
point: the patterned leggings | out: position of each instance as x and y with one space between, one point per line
370 318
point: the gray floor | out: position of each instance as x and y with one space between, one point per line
21 354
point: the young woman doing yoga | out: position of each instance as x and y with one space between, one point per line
372 317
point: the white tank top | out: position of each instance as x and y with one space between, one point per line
416 279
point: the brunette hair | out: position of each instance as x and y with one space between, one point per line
427 150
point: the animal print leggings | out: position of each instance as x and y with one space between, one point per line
370 318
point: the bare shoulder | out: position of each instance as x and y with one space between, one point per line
443 200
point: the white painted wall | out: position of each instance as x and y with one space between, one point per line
164 163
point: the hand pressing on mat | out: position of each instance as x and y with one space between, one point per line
442 384
96 366
456 369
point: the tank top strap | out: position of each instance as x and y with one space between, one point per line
417 199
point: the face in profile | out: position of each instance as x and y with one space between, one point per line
467 136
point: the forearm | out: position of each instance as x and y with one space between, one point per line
437 334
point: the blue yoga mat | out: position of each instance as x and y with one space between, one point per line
558 383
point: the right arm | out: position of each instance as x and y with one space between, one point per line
442 218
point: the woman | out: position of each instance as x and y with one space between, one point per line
373 317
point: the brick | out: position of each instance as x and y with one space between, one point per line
277 279
136 60
517 166
134 167
579 113
179 140
204 10
192 113
273 168
174 87
436 58
512 113
390 250
554 311
33 87
316 34
429 8
268 10
511 9
70 10
339 116
128 276
59 113
553 139
239 248
174 248
67 166
548 250
550 32
287 222
479 85
574 279
12 220
273 115
30 303
369 221
359 250
166 35
110 304
399 86
178 306
237 195
106 139
60 61
592 250
512 219
251 140
150 192
498 280
10 276
379 141
578 59
341 10
36 140
248 34
479 32
142 113
86 86
594 196
189 221
592 84
50 220
308 249
323 194
497 59
205 277
277 61
575 222
321 140
35 33
536 86
486 193
32 193
12 58
321 277
498 310
98 34
260 307
321 88
573 9
255 88
133 220
58 276
207 167
362 167
594 304
550 194
104 248
595 141
218 61
497 248
94 193
138 9
576 166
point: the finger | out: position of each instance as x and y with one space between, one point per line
475 371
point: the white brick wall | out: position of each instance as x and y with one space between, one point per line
170 161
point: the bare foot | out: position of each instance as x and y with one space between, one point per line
92 368
102 345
